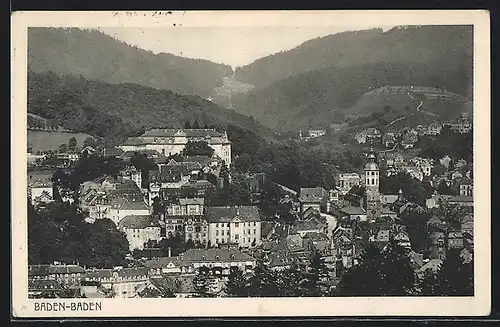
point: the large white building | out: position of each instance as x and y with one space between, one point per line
171 141
140 229
241 225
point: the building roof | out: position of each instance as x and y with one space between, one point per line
306 225
171 132
40 184
38 270
44 285
108 273
317 237
125 203
433 264
226 214
138 222
351 210
198 184
112 152
192 201
215 255
312 194
458 198
164 262
416 260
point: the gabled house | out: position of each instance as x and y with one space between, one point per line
241 224
140 229
315 197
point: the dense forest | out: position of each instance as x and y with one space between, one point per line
401 45
97 56
114 111
326 95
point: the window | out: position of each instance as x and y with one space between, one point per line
249 231
254 223
216 257
236 224
373 181
254 231
222 232
236 236
217 225
216 233
228 225
373 173
216 240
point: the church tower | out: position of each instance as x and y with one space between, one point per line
372 194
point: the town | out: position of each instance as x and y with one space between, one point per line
171 213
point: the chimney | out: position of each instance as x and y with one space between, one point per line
169 251
400 195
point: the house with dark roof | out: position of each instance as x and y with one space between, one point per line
239 224
121 206
432 266
44 289
140 229
294 249
315 197
181 286
120 282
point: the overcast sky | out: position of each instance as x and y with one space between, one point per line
234 46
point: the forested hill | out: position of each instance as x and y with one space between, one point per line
401 45
114 111
97 56
328 95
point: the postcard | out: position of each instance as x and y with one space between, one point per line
250 164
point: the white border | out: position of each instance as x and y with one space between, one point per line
224 307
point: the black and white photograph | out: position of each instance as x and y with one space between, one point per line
266 159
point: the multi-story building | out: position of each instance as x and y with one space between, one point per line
173 141
241 225
140 229
186 206
122 281
347 181
196 229
66 275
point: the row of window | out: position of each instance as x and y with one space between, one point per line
236 224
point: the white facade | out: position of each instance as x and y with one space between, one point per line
235 231
169 142
116 214
138 236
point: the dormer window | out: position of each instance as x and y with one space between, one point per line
203 258
216 257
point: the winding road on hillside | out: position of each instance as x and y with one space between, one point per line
419 108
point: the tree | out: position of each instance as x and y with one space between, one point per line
196 125
202 283
187 124
72 144
263 282
380 273
63 148
454 278
197 148
316 276
443 188
90 141
292 282
106 246
242 163
237 284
